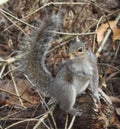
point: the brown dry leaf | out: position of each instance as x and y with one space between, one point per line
102 29
8 93
115 99
26 92
5 86
118 111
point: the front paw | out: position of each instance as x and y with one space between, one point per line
78 112
97 98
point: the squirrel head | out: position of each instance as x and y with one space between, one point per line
77 50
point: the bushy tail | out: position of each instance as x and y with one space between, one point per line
35 58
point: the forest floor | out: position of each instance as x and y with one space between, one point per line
97 23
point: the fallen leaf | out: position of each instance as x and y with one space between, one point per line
103 28
118 111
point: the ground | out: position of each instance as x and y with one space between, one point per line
97 23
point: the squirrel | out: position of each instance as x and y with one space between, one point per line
74 76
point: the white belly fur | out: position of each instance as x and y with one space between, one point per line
81 85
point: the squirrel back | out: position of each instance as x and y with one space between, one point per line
36 53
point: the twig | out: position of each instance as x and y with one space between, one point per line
106 37
109 65
19 122
17 92
73 34
9 116
103 42
53 119
112 75
5 12
66 122
2 70
42 99
41 120
115 99
72 122
57 3
11 93
5 74
48 4
96 31
95 4
50 110
105 97
15 25
117 19
12 59
116 51
64 40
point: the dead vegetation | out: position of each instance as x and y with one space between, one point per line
95 22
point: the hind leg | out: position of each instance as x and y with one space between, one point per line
67 103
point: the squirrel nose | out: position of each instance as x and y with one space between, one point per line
71 56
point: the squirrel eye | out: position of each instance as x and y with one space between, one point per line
80 49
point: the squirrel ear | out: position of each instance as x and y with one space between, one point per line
87 46
77 39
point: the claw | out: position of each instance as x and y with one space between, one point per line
79 112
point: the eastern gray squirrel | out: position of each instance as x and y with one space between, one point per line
74 76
